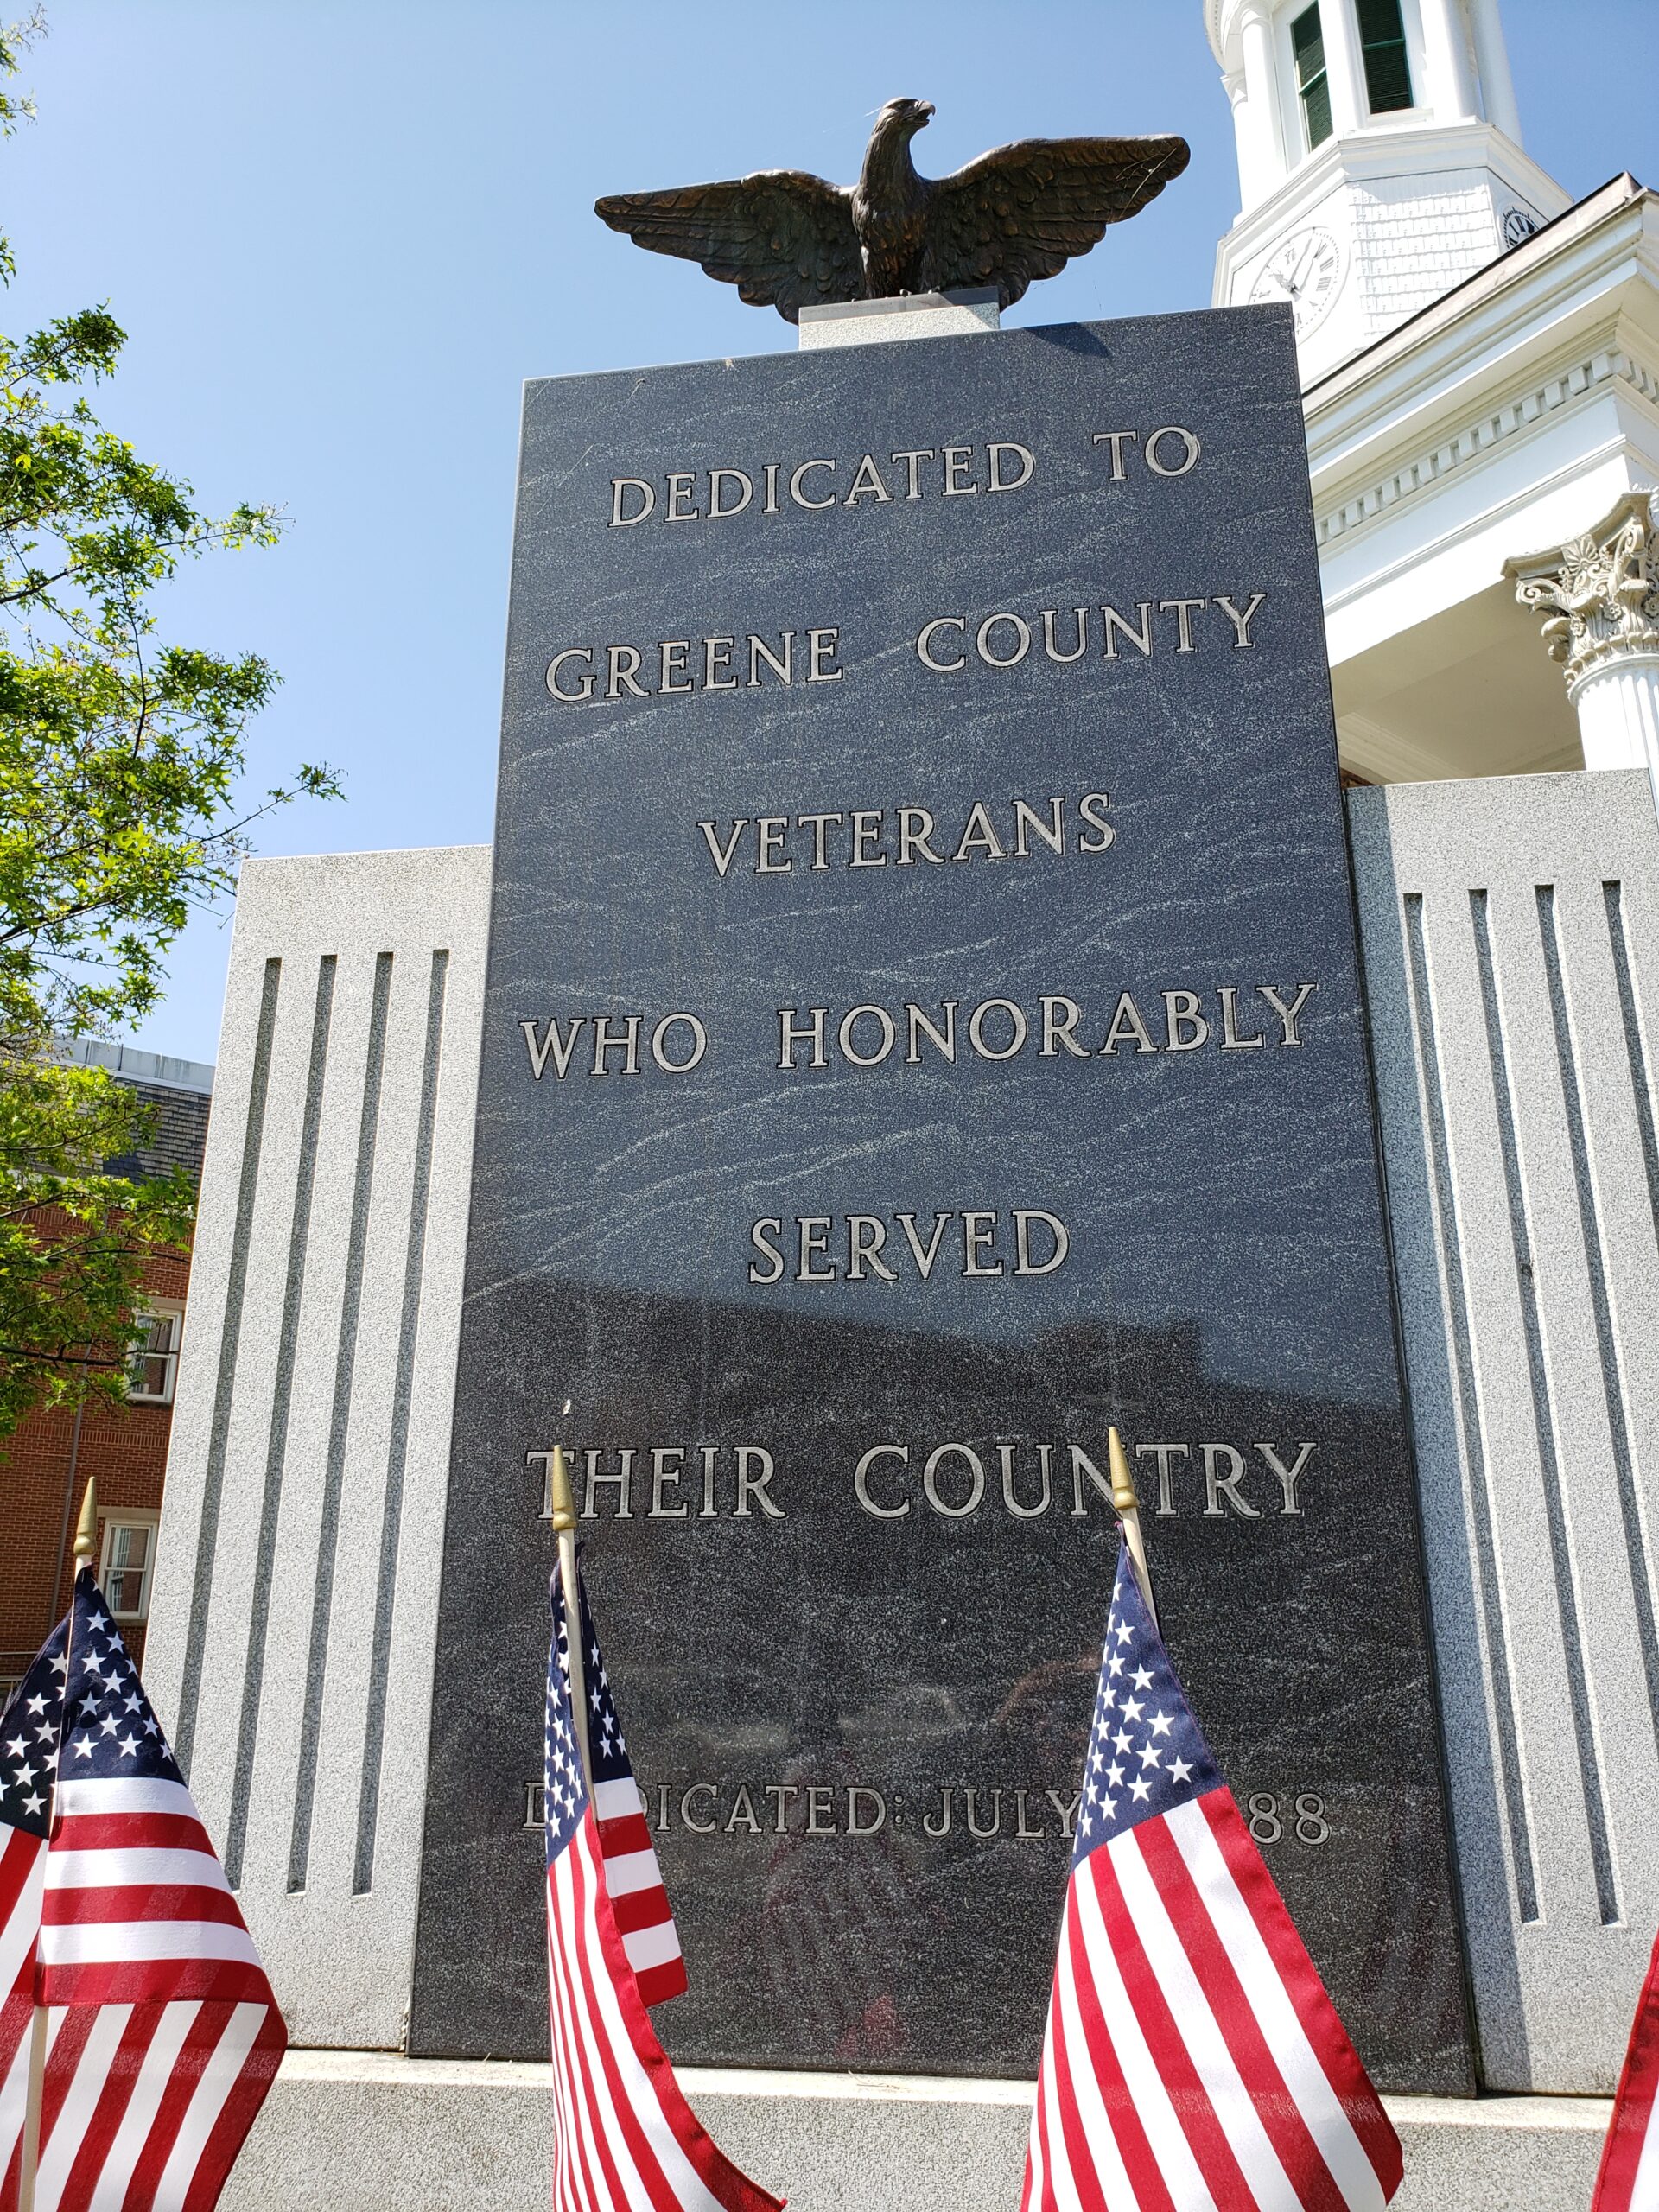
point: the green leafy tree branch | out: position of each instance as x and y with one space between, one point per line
121 758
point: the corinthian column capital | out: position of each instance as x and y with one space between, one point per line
1598 594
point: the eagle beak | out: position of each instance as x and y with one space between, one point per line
925 108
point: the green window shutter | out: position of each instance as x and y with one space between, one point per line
1307 46
1382 44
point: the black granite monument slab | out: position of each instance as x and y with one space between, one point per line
923 1028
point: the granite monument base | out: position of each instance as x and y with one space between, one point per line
445 2135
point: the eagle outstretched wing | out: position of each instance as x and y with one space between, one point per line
1021 212
785 238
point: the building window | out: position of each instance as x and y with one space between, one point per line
154 1368
1382 44
123 1576
1307 50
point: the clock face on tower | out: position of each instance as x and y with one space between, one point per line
1308 270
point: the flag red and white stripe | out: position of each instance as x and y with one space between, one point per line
163 2034
625 2139
1193 2062
644 1920
1628 2178
626 2136
23 1884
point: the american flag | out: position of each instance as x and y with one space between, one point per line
632 1875
114 1916
1193 2061
1628 2179
624 2137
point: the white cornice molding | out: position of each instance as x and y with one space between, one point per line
1469 529
1398 148
1520 412
1372 748
1370 157
1375 750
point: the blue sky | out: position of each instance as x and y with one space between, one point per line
341 235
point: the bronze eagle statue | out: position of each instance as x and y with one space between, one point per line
788 240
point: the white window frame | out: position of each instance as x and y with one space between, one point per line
1292 115
1411 24
1417 63
156 1309
135 1517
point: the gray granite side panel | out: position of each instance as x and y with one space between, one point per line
1510 932
291 1638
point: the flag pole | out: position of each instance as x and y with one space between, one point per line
86 1551
564 1524
1128 1506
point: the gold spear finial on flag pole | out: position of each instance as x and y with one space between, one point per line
86 1527
86 1551
564 1524
1128 1506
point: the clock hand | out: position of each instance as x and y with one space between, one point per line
1311 250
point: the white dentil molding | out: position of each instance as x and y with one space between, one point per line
1518 413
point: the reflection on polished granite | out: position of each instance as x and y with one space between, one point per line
1114 1162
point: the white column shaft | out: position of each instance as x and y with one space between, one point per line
1451 83
1492 59
1263 122
1345 66
1251 185
1618 714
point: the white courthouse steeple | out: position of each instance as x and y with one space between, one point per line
1379 160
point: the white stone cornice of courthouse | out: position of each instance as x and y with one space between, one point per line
1511 413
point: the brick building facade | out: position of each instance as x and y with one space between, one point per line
44 1467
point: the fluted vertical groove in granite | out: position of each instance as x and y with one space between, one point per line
312 1428
1511 930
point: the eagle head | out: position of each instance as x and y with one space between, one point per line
903 118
